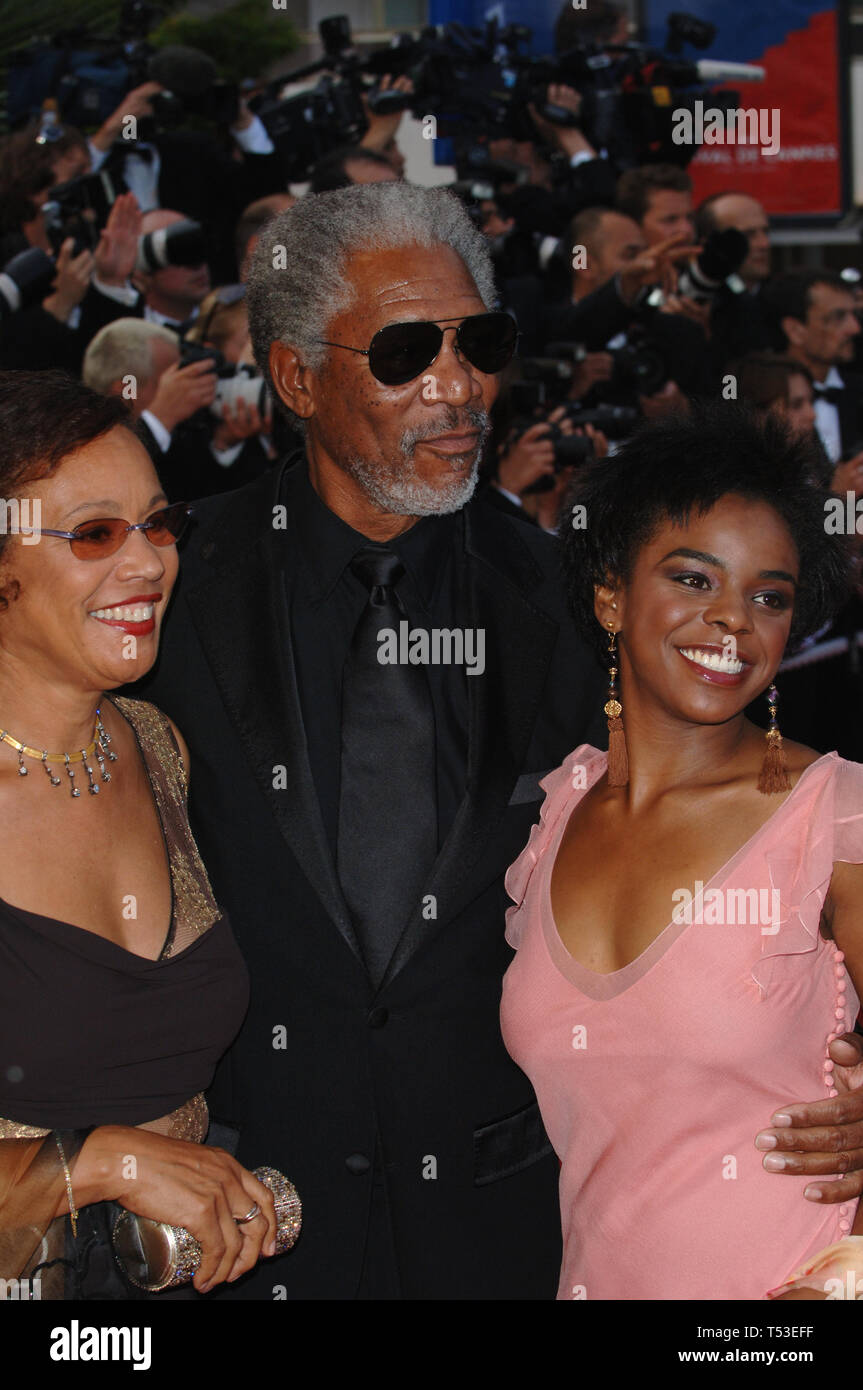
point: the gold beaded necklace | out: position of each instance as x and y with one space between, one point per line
100 745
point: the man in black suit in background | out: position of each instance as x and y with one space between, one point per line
357 809
812 313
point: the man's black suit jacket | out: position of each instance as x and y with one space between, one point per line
850 409
325 1067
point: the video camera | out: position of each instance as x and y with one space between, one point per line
478 84
88 75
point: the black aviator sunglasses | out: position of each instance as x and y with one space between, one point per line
400 351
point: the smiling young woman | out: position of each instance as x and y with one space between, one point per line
109 933
704 553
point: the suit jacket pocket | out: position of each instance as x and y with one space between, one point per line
506 1146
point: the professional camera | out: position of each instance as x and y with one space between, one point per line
183 243
236 382
722 255
526 400
25 280
570 451
78 208
640 365
615 421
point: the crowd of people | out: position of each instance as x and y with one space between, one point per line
379 398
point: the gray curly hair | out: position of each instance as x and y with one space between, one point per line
296 286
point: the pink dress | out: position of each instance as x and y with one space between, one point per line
654 1080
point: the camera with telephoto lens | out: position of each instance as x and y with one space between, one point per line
721 256
183 243
25 280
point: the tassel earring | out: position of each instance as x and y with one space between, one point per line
618 763
774 769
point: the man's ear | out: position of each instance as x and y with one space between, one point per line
291 379
608 605
794 330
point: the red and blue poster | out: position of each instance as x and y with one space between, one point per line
797 42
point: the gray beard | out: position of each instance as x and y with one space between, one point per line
401 491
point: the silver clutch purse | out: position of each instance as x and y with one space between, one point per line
156 1256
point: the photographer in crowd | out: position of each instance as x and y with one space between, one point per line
208 175
65 294
172 292
140 362
739 322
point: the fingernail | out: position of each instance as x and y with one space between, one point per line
781 1118
765 1141
813 1193
774 1163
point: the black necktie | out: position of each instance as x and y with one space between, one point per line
388 802
831 394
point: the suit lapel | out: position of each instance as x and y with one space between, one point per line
241 612
503 705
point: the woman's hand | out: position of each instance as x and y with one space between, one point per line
192 1185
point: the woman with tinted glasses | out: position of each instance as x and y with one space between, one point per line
697 888
120 981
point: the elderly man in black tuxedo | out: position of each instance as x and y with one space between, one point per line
373 672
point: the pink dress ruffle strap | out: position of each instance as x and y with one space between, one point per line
584 766
826 828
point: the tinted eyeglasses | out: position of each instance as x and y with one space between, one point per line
401 351
94 540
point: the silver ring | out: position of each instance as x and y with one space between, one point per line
253 1211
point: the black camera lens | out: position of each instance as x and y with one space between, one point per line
182 243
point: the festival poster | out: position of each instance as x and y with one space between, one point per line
797 42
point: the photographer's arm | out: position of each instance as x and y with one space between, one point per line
136 104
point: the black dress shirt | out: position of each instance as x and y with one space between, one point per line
326 608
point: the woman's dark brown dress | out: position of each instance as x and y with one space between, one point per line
92 1034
